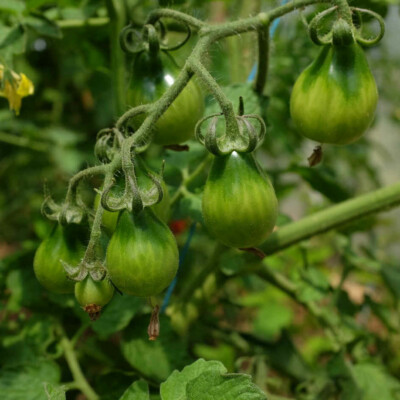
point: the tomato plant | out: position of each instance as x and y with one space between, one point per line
194 254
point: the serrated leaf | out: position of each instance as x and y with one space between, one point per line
139 390
27 382
174 388
117 315
43 26
211 386
154 359
54 392
375 383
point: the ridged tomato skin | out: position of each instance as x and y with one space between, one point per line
142 256
64 243
239 203
334 99
151 77
90 292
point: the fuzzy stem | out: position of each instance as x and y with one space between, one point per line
95 233
225 104
117 13
76 371
333 217
344 10
263 59
155 15
74 181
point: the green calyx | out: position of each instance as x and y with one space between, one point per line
243 140
343 31
136 193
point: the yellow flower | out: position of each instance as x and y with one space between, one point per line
14 87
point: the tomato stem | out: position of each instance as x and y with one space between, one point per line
73 364
333 217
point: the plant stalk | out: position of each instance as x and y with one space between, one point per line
76 371
117 14
333 217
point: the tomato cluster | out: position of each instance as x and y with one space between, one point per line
333 101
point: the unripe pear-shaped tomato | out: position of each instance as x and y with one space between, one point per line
93 295
152 75
142 256
239 203
65 243
89 292
334 99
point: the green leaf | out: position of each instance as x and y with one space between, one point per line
284 356
375 382
139 390
233 92
33 4
14 40
14 6
313 286
271 319
117 315
211 386
182 159
391 276
28 382
222 352
25 289
324 181
54 392
43 26
190 206
174 388
154 359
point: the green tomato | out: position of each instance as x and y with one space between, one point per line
142 256
239 203
93 293
64 243
334 99
151 77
